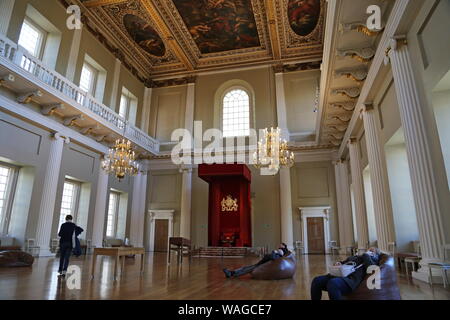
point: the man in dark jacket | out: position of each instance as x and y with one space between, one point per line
68 233
281 252
340 286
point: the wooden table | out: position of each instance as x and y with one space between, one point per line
119 252
178 245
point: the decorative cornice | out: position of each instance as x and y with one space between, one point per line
170 82
362 54
351 93
360 27
345 106
358 74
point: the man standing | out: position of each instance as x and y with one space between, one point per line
68 233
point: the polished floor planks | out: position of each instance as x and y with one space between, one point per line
202 279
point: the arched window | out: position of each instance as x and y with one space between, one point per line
236 114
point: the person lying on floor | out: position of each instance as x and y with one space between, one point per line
341 286
281 252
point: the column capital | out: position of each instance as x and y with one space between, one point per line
352 140
185 169
395 44
59 136
367 106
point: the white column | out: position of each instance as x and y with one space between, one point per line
98 228
115 87
345 218
287 233
6 10
138 209
49 188
281 105
430 191
146 108
186 186
186 195
73 55
190 106
382 204
362 229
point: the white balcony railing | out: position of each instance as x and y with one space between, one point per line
49 80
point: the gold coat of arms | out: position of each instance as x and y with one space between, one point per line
229 204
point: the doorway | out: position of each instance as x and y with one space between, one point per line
316 236
161 235
315 224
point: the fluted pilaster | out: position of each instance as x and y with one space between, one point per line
146 108
100 209
138 209
432 211
382 204
287 234
362 229
345 218
49 189
6 9
186 195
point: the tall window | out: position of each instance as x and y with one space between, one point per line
88 78
113 212
236 114
32 38
69 203
128 106
7 181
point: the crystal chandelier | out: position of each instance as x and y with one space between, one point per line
121 160
273 152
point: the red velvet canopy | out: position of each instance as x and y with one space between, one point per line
229 218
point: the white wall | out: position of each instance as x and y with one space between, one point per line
441 103
369 207
403 208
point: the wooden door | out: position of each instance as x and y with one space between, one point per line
161 235
316 236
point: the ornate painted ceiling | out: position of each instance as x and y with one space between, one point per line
164 38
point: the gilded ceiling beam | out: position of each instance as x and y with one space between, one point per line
273 28
166 34
98 3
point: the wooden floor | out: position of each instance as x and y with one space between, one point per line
202 279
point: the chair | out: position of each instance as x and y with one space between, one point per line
88 246
413 260
350 251
31 247
392 248
443 266
334 247
299 247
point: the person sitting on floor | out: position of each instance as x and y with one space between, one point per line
340 286
282 251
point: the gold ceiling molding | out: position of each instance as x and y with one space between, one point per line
167 34
277 41
99 3
273 29
293 44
